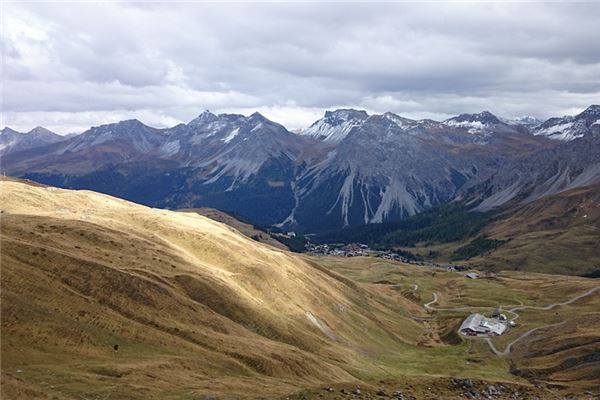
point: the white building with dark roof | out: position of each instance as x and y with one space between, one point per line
479 325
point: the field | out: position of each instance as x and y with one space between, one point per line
561 354
102 298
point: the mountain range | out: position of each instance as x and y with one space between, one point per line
12 141
347 169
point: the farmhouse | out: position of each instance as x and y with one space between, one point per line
479 325
472 275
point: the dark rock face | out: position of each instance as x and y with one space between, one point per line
540 173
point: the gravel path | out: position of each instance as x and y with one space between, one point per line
513 311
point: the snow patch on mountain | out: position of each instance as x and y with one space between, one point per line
564 131
570 128
473 126
231 135
335 125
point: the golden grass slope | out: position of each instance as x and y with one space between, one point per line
194 306
558 234
555 234
247 229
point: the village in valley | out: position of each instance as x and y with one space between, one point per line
361 249
475 325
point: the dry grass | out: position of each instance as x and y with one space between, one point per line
566 355
198 309
242 227
192 304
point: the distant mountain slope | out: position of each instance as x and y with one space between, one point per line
12 141
236 163
388 168
347 169
542 172
555 234
571 127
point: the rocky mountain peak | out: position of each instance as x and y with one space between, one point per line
400 121
256 116
204 118
340 116
8 131
41 131
474 123
571 127
12 141
592 111
128 123
335 125
485 117
526 120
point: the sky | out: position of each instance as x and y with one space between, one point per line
71 65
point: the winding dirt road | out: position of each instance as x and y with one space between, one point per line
513 311
428 305
509 346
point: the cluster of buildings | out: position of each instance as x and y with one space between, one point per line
480 325
456 268
350 250
355 250
360 249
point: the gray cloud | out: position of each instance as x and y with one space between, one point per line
67 67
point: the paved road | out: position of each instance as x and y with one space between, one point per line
513 311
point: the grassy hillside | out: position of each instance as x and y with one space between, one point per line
190 302
102 298
566 354
245 228
557 234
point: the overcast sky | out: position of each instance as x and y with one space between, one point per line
68 66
